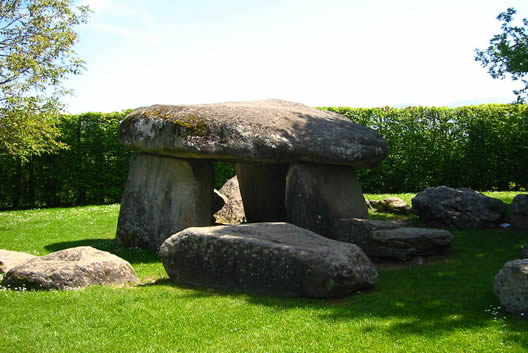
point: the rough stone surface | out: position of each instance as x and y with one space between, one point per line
269 258
262 187
219 200
233 210
162 196
523 254
389 240
461 208
10 259
317 196
259 131
71 269
391 204
511 286
519 212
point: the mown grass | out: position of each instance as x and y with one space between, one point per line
445 305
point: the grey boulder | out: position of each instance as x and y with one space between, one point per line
71 269
389 240
511 286
460 208
271 131
10 259
519 211
391 204
233 210
268 258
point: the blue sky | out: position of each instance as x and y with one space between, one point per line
332 52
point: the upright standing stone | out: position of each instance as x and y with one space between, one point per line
164 195
519 211
317 196
262 187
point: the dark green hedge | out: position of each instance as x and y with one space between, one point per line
92 171
483 147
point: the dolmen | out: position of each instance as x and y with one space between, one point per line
294 164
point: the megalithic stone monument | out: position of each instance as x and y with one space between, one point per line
292 162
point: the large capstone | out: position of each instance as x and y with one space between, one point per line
268 258
71 269
269 131
511 286
461 208
164 195
317 196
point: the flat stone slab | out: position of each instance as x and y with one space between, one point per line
10 259
511 286
268 258
389 240
71 269
272 131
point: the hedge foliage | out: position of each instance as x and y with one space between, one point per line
92 170
482 147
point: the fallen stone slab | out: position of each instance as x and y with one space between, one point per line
389 240
460 208
511 286
10 259
268 131
268 258
73 268
233 210
519 211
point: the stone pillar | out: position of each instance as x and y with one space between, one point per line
318 195
163 196
262 189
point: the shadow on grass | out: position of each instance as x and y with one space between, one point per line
132 255
434 300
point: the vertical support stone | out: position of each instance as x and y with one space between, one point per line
262 188
163 196
318 195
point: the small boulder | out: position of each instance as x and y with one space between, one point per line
268 258
233 210
219 200
392 204
10 259
461 208
71 269
511 286
519 211
389 240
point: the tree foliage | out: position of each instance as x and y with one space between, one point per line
508 53
36 41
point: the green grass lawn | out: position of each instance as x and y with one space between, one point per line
445 305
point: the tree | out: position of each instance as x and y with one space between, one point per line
36 40
508 53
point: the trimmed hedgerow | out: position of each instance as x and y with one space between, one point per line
483 147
